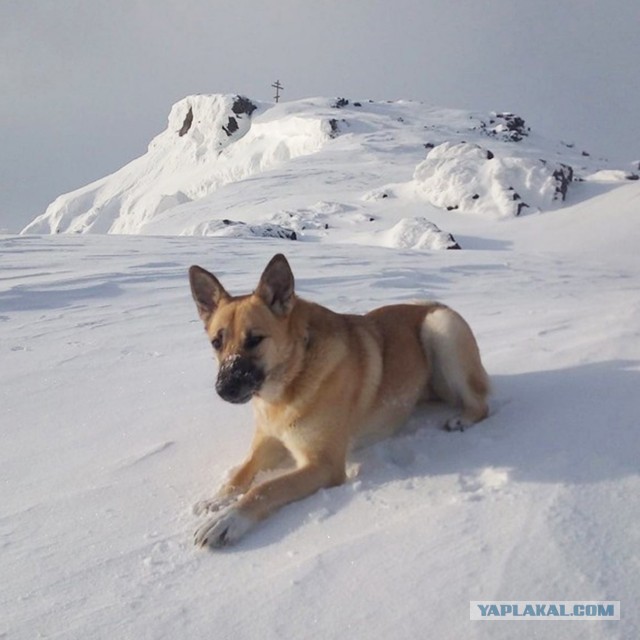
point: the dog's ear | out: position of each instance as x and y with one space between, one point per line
276 286
206 291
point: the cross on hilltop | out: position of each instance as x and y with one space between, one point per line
278 87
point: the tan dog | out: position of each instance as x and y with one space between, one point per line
320 379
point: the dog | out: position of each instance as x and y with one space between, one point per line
318 381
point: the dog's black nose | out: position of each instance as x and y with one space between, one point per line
238 379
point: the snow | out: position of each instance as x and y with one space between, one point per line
405 156
112 429
180 168
472 179
418 233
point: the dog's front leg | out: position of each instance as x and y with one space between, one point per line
264 499
266 453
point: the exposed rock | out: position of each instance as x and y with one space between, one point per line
188 121
243 106
507 126
232 126
340 103
469 178
564 176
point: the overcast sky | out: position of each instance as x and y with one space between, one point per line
87 83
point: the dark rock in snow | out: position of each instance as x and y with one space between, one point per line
340 103
188 121
232 126
564 176
507 126
243 106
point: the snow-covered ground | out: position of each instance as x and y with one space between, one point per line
111 427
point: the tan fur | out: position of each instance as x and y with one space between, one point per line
330 379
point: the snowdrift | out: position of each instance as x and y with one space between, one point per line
467 177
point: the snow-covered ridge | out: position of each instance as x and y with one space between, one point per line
328 170
210 141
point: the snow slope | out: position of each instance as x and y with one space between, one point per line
111 430
352 170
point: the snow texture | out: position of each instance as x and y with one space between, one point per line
112 429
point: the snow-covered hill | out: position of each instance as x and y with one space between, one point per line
327 170
111 428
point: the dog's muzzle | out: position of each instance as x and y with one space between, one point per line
238 379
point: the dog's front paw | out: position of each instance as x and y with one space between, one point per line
213 505
223 529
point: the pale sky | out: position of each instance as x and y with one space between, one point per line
86 84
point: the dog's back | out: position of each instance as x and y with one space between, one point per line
428 352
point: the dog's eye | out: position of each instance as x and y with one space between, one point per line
252 341
216 343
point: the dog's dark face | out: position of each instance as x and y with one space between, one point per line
249 334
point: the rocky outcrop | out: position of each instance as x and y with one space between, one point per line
460 176
507 126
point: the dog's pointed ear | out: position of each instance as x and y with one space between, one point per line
206 291
276 286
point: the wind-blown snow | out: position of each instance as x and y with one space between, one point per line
112 429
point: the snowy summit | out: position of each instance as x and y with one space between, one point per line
325 170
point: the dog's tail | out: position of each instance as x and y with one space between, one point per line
457 374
